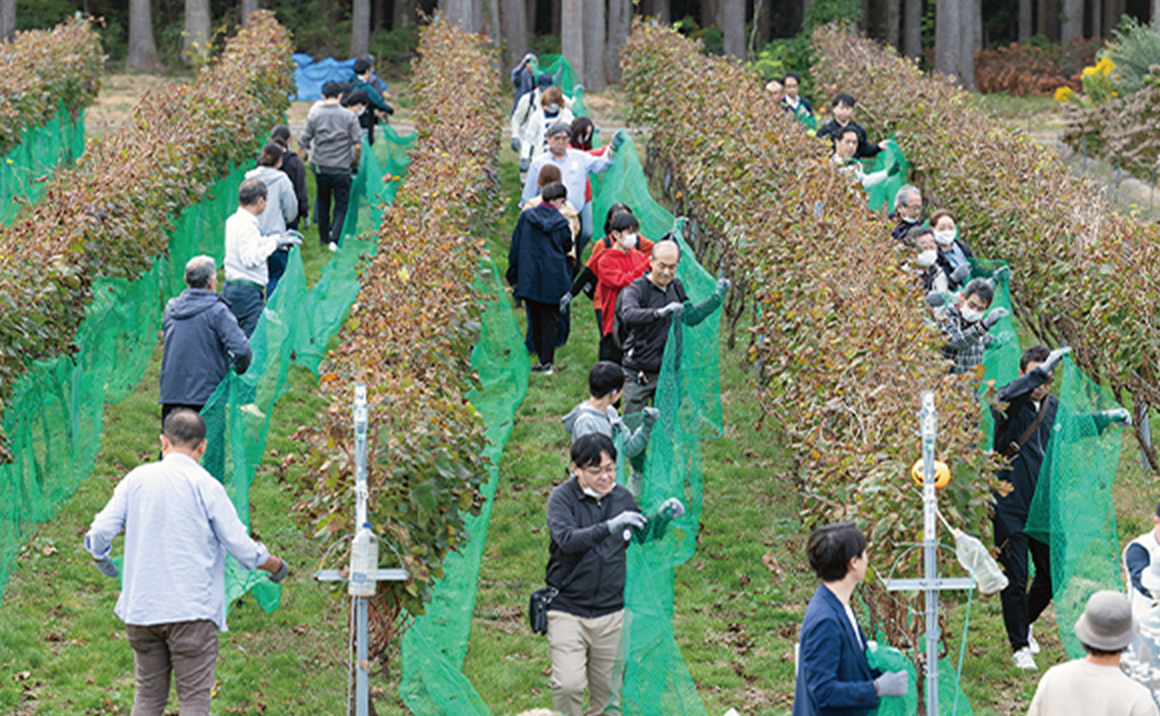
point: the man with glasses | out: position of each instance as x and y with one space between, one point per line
907 211
592 520
647 308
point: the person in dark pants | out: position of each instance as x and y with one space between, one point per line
247 250
538 269
333 140
364 80
292 167
1021 435
648 307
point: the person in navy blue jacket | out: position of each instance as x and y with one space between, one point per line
833 675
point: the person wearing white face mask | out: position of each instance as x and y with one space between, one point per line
617 267
907 211
965 327
953 252
932 275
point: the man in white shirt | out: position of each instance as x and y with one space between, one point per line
179 523
1095 685
246 253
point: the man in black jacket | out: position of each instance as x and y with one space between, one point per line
647 308
592 520
843 108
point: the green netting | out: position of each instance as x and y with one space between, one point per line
24 171
887 658
565 78
881 197
435 645
1001 359
1072 507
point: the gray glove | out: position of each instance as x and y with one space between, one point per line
723 285
893 683
281 573
516 145
1119 415
524 164
1003 273
961 274
626 519
995 316
618 139
1053 359
672 508
676 308
1000 339
651 415
935 299
565 300
577 89
290 238
107 567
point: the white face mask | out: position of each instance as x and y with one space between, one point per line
910 219
945 238
552 108
970 315
592 493
927 258
628 240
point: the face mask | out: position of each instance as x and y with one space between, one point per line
970 315
552 108
910 219
592 493
945 238
628 240
927 258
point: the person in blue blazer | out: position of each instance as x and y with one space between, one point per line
833 674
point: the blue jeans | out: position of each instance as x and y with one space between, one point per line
336 185
275 267
246 300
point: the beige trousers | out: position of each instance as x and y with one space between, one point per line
583 654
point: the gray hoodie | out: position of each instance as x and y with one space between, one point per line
281 201
585 420
202 340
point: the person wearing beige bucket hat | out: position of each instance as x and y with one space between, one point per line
1095 685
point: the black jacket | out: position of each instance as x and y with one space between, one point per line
292 167
902 227
202 340
831 129
946 265
585 561
538 259
1023 473
644 348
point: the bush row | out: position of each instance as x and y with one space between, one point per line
42 69
1121 130
109 216
410 336
841 346
1082 273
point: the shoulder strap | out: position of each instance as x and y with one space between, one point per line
1013 449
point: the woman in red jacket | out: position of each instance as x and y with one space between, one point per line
616 267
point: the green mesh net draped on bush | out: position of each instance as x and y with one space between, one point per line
881 197
564 77
24 171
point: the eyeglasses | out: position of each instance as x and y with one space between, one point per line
598 470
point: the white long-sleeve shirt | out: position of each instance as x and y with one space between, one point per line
247 249
575 166
179 523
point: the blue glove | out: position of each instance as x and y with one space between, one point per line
107 567
516 145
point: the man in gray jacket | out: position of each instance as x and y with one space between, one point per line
281 209
202 341
333 139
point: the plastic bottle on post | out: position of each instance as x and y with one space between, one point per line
364 562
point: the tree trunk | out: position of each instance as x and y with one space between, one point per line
248 6
458 12
360 27
1025 26
476 15
404 15
1112 11
619 26
557 26
733 24
595 32
195 40
572 34
912 28
969 41
379 15
1097 9
515 32
709 12
947 33
1048 22
494 29
142 55
7 18
1072 26
1155 15
893 14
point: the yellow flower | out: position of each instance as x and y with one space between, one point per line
1064 94
1089 71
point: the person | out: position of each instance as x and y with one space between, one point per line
549 111
523 79
844 149
833 674
377 108
527 124
246 252
538 269
592 520
930 272
843 107
549 174
575 167
332 138
581 138
202 341
953 252
965 328
179 524
293 168
1095 685
1021 433
776 91
793 102
907 212
1139 557
648 306
616 268
357 102
281 209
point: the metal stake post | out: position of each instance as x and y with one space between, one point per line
930 584
362 581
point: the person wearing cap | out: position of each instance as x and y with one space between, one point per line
293 168
575 166
376 108
1095 685
523 78
1142 563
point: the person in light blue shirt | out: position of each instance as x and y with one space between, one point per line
179 523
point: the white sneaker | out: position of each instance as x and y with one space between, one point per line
332 246
1031 643
1024 660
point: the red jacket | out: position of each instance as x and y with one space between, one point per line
614 270
602 244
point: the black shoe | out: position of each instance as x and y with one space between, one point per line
545 368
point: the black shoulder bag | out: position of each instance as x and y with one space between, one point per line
538 605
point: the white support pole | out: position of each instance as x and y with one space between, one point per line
929 420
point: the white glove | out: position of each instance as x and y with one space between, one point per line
723 285
651 415
893 683
1053 359
628 518
676 308
290 238
672 508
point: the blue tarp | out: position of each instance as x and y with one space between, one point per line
309 78
302 59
